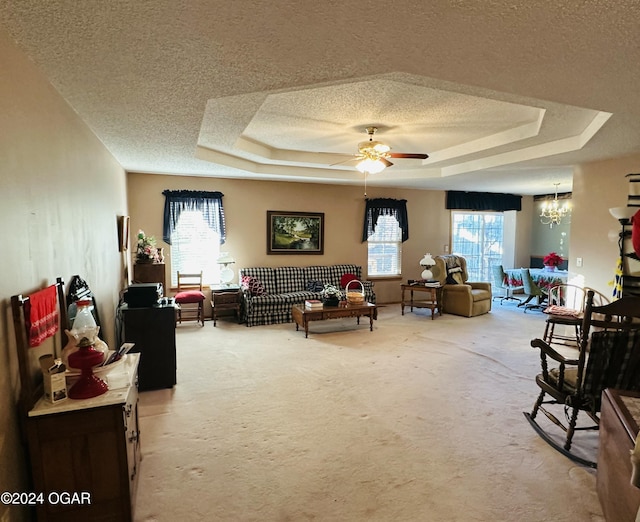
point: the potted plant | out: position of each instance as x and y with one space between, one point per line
331 295
552 260
146 251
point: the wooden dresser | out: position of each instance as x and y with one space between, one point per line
150 273
618 431
89 446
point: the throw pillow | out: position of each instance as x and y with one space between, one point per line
346 279
254 285
315 286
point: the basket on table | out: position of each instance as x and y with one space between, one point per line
355 297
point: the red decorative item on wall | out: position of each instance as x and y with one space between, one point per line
635 232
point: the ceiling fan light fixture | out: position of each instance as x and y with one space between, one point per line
370 166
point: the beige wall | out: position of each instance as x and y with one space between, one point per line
596 188
61 192
246 203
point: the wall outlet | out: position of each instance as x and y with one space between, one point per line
445 249
578 262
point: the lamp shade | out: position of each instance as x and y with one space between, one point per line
370 166
427 261
225 259
226 273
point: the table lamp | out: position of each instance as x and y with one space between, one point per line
427 261
226 273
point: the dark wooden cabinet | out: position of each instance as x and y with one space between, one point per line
618 431
90 447
153 330
150 273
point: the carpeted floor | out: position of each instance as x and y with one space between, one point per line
419 420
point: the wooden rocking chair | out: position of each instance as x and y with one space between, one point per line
608 357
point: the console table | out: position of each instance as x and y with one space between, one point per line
302 316
431 300
153 330
617 435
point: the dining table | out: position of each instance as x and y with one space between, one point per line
542 277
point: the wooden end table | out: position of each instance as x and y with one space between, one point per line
225 297
302 316
431 300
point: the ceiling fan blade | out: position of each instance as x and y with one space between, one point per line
407 155
386 162
351 161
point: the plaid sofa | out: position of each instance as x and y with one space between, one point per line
287 285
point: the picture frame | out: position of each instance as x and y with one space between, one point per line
123 233
295 233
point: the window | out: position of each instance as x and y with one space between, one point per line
385 248
194 226
479 238
194 247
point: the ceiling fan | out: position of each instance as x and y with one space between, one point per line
373 156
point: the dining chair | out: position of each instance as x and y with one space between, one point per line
190 297
501 282
566 309
533 291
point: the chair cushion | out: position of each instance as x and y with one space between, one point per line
570 378
189 296
253 284
563 311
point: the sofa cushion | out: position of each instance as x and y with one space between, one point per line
265 275
347 278
254 285
315 286
289 279
318 273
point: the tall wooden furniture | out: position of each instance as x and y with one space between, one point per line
618 431
89 445
150 273
153 330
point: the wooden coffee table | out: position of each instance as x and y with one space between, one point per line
302 316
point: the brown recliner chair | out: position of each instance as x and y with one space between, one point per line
461 297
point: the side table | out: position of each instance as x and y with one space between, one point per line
430 300
225 297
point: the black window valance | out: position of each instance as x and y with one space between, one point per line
385 207
209 203
458 200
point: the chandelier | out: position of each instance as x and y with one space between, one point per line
552 213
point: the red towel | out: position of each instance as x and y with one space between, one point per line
42 315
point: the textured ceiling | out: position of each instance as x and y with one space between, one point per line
504 96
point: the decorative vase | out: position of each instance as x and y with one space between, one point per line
331 301
550 268
161 255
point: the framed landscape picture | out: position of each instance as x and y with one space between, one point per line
295 232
